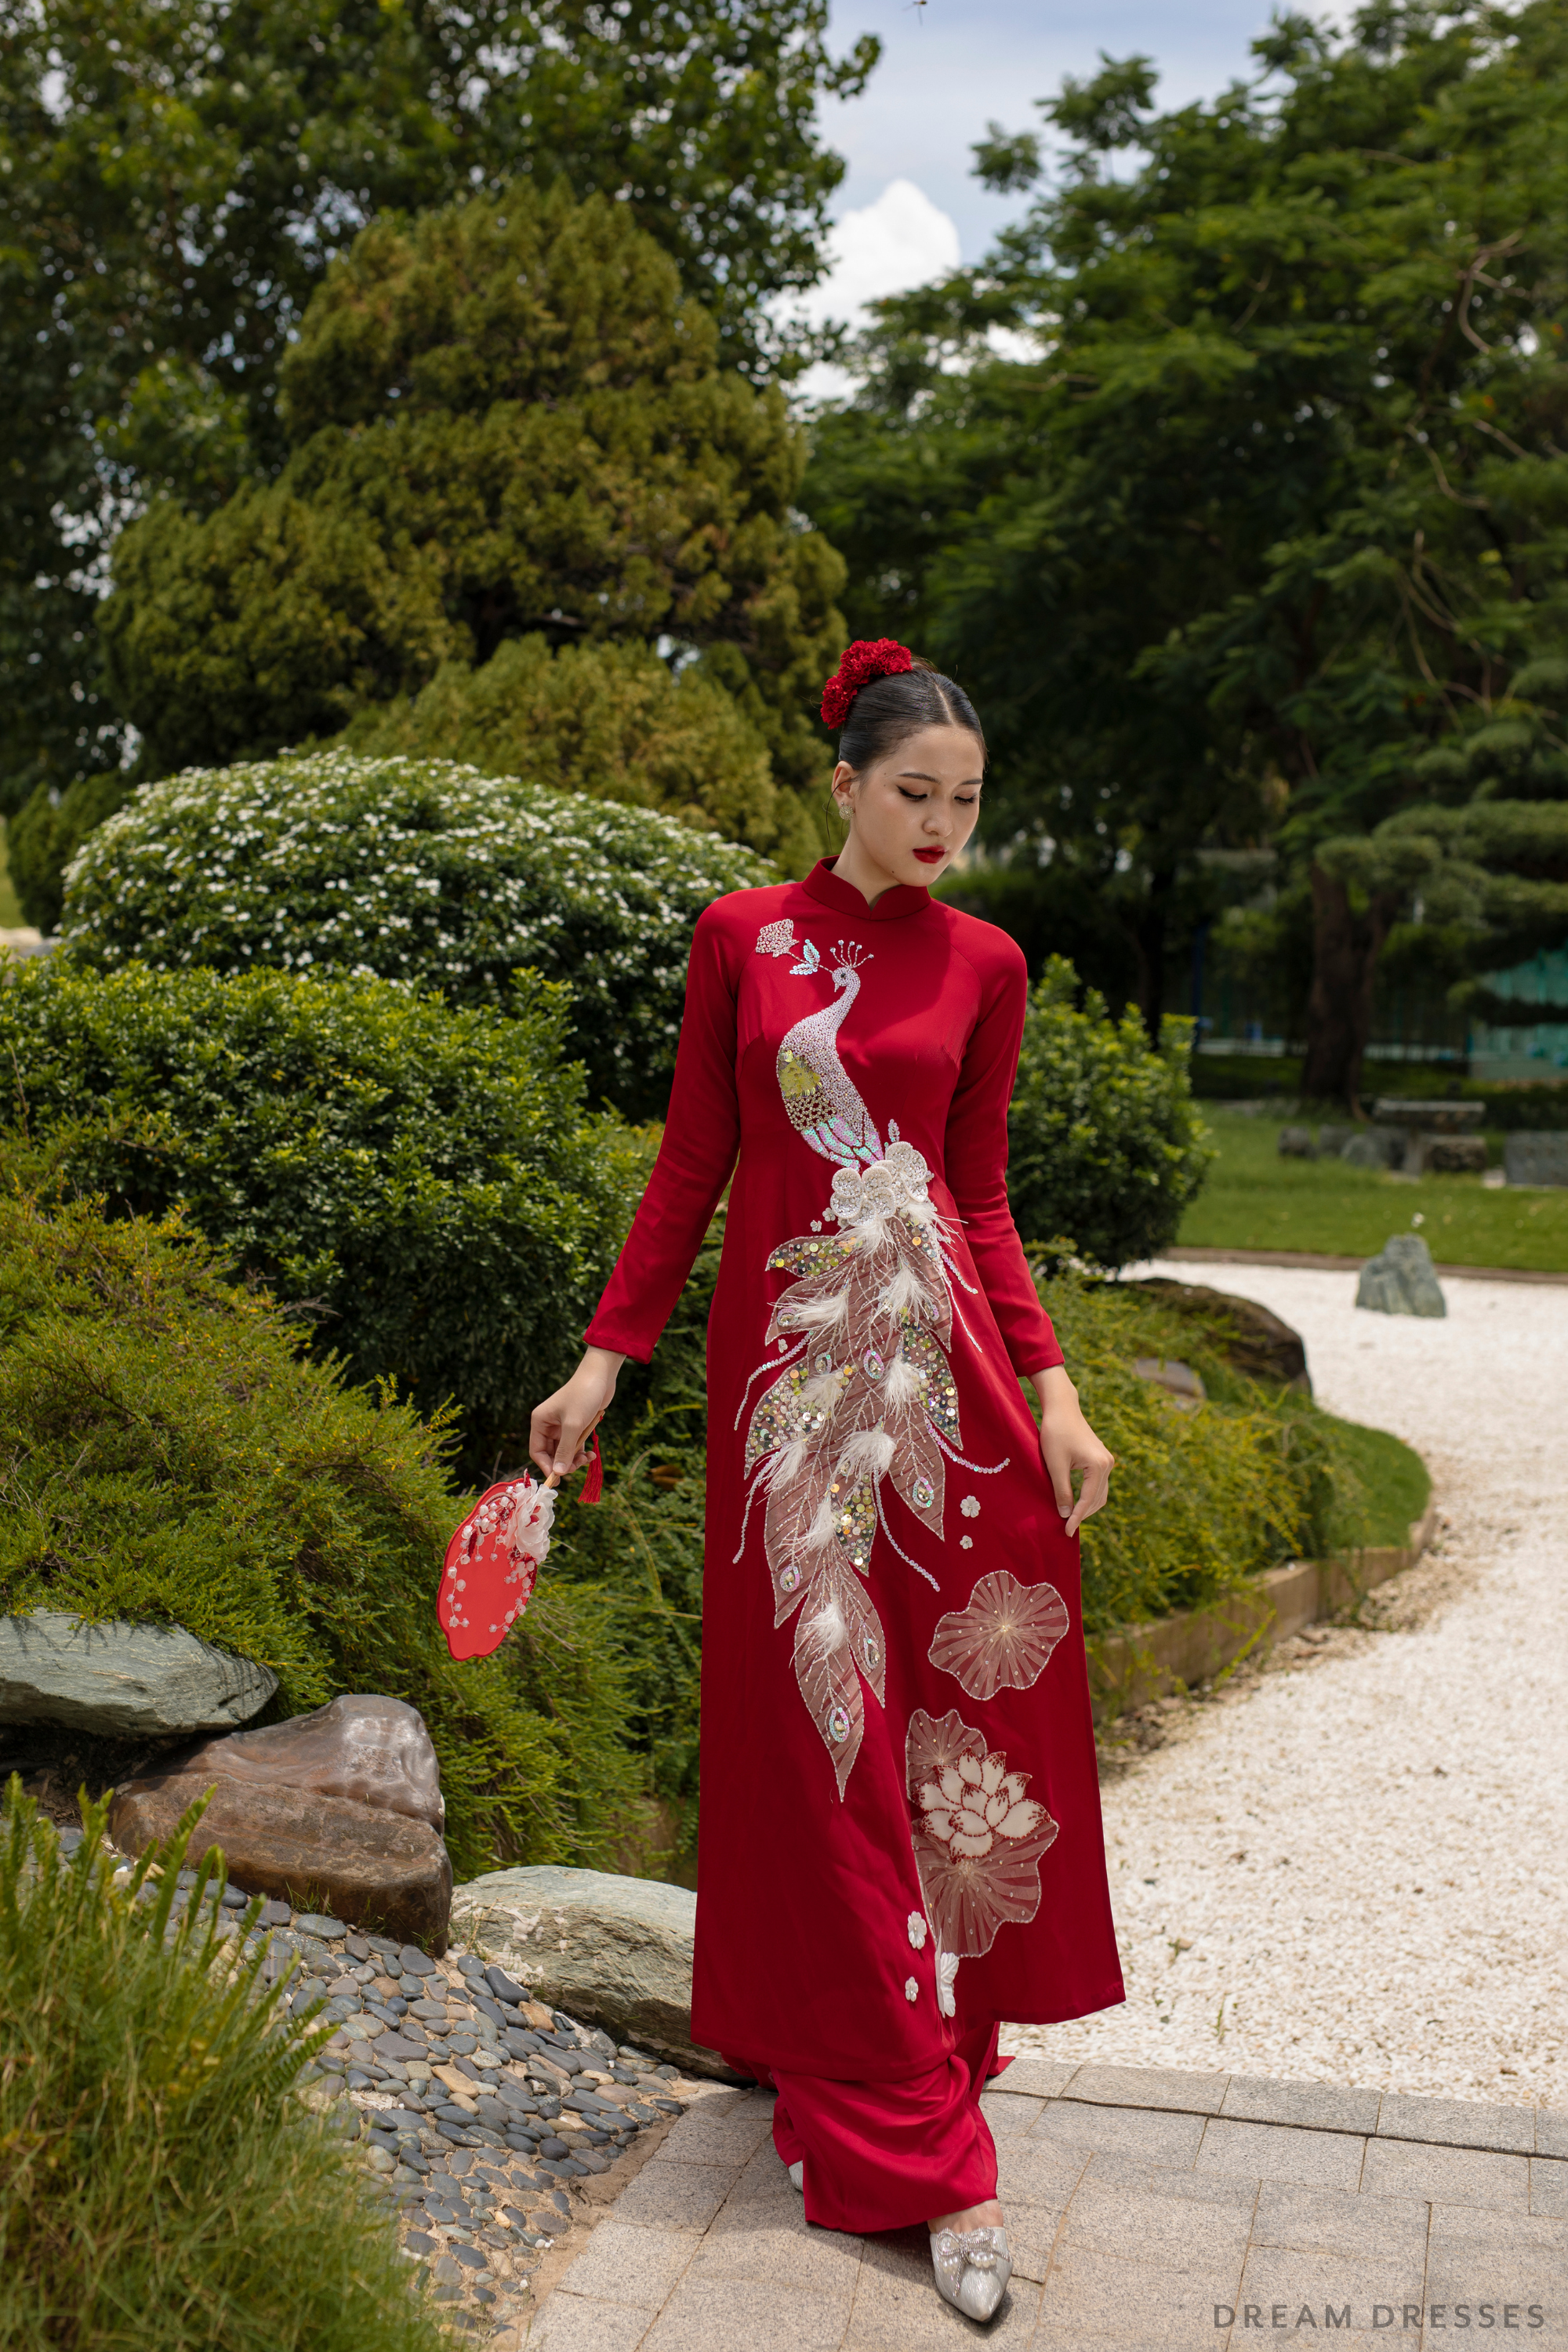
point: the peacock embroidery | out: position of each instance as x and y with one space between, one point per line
862 1391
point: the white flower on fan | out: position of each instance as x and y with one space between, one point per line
917 1931
966 1543
946 1971
970 1507
911 1989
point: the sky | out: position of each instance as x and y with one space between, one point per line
908 209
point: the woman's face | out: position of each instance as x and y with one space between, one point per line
911 812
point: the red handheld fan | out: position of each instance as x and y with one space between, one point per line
493 1560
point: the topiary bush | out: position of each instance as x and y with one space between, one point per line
423 1183
417 871
1106 1148
611 720
168 1455
164 2186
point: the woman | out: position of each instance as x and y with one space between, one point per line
900 1840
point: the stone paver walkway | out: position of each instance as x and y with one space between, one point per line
1147 2208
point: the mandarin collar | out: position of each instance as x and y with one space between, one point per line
831 890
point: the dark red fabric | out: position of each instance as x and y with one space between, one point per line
885 2155
817 1952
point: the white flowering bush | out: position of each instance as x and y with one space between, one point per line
420 871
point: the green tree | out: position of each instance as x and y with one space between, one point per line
607 720
1278 503
177 178
507 419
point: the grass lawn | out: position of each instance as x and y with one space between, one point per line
1397 1482
1255 1199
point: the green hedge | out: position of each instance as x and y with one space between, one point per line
163 2188
420 872
1199 1501
422 1183
1105 1145
167 1455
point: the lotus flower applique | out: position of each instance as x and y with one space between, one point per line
978 1834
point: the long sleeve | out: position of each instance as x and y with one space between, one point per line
976 1157
695 1159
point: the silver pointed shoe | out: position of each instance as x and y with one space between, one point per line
972 2268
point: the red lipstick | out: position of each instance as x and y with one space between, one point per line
930 857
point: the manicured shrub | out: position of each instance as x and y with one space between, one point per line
164 2187
45 835
1106 1148
1199 1501
420 872
422 1183
167 1455
609 720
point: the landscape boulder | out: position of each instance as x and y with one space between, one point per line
1400 1280
1295 1143
119 1681
616 1949
369 1749
382 1872
1252 1337
1375 1147
1447 1155
1536 1156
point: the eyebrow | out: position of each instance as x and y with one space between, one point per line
919 776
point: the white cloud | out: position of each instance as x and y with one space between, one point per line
901 241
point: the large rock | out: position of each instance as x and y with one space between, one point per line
370 1750
1536 1156
616 1951
1400 1279
1445 1155
373 1869
1375 1147
119 1681
1252 1337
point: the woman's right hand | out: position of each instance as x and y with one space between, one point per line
558 1433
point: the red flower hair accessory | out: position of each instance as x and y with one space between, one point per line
862 662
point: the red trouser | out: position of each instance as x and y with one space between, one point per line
882 2155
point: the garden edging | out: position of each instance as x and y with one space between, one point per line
1143 1662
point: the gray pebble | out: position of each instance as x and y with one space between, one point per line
418 2243
416 1963
317 1923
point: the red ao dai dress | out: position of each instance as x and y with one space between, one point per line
900 1840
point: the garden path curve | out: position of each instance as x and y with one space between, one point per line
1356 1870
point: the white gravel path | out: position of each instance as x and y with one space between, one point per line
1357 1871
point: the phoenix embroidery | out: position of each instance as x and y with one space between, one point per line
865 1391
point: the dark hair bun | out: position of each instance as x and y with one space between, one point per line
881 693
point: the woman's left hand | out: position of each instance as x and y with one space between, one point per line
1068 1443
